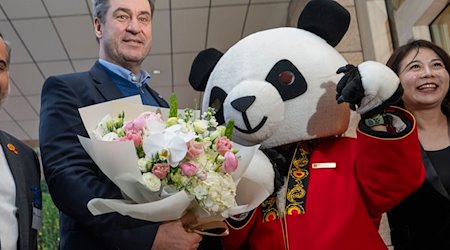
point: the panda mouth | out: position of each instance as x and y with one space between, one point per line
249 129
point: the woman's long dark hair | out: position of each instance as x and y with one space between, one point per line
401 52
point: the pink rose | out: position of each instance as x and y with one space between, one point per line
188 169
134 125
223 145
194 149
132 136
160 170
150 116
231 163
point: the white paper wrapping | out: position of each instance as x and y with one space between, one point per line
118 161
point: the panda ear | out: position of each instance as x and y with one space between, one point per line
325 18
202 67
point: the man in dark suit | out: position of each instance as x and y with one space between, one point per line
123 29
20 193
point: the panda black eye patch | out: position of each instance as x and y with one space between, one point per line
216 100
287 79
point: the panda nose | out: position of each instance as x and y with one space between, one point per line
243 103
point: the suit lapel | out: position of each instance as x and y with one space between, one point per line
104 83
109 90
159 99
12 152
432 176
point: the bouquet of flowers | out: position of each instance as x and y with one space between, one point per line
182 153
168 161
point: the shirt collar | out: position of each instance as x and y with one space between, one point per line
126 74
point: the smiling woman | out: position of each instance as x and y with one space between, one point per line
421 220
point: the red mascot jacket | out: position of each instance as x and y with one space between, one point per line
336 195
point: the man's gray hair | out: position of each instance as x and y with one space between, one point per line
100 7
8 49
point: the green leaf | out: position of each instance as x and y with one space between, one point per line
173 106
229 129
120 120
140 151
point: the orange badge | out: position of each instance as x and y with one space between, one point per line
12 148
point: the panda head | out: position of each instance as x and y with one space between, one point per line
279 85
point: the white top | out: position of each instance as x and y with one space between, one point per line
9 228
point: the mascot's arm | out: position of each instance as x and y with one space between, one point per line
388 166
388 160
260 170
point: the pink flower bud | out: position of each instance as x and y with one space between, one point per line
132 136
223 145
231 163
188 169
136 138
202 175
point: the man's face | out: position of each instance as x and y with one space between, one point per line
126 33
4 72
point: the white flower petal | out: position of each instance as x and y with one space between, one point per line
177 148
154 143
155 126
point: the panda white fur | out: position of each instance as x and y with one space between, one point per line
274 111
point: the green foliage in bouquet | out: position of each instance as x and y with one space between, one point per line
117 124
48 237
173 106
229 129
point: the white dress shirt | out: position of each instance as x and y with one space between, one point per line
9 229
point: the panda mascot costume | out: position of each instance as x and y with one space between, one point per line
291 91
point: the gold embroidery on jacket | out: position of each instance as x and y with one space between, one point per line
298 177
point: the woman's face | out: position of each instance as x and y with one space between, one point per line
424 78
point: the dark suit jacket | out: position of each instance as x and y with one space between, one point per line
25 168
72 177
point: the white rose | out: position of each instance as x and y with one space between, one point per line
213 135
213 122
221 130
101 129
200 126
151 181
111 136
142 164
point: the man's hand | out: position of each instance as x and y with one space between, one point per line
172 235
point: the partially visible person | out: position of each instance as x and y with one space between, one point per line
20 192
422 220
124 32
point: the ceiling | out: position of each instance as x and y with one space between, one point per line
51 37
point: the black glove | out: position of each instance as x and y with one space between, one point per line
368 88
349 89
